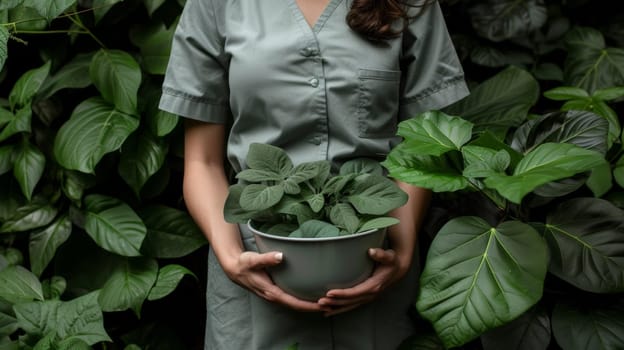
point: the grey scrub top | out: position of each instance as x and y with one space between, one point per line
319 93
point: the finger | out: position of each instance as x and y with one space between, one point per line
339 302
276 294
259 261
382 256
371 286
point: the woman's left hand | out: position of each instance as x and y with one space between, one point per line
388 271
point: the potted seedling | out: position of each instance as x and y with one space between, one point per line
323 222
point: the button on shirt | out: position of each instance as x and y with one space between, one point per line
320 92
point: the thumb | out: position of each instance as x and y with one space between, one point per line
382 256
258 261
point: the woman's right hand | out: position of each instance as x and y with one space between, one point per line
249 272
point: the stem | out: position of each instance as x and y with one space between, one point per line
77 22
494 200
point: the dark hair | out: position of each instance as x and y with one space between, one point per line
376 19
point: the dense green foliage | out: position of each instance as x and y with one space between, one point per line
93 228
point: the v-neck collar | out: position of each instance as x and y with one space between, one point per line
320 22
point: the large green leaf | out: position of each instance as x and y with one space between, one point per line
114 225
21 122
530 331
9 4
44 243
94 129
142 155
479 277
74 74
79 318
548 162
28 167
50 9
27 86
500 102
129 285
4 39
586 240
171 233
155 44
33 215
505 19
18 285
428 172
590 64
168 279
434 133
159 122
583 328
117 76
581 128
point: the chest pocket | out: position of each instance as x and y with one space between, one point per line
378 101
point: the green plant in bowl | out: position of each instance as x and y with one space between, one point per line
322 222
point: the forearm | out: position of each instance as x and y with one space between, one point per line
205 191
404 235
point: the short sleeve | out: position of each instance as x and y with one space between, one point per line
432 74
195 84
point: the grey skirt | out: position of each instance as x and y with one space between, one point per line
239 320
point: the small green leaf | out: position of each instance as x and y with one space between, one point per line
361 166
142 155
255 175
260 197
316 229
129 285
343 215
267 157
117 76
435 133
548 162
54 287
18 285
20 123
233 212
501 20
75 183
375 194
564 93
28 168
336 183
36 214
378 223
7 158
601 179
609 94
94 129
316 202
8 325
428 172
74 74
114 225
290 186
44 243
27 86
482 161
168 279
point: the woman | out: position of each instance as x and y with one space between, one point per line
323 79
